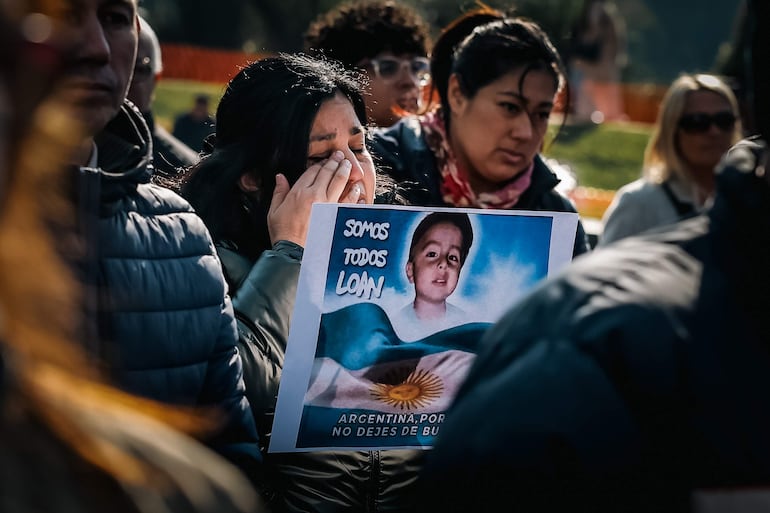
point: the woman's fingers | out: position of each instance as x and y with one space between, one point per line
289 212
326 181
355 193
287 217
338 181
280 192
328 170
307 178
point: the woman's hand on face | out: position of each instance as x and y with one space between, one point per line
289 213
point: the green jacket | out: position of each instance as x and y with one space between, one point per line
263 296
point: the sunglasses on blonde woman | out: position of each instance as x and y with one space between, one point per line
700 122
388 68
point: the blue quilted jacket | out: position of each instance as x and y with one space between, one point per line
164 323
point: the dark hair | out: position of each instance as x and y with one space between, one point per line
263 124
490 51
451 36
458 219
355 31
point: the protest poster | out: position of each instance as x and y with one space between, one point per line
391 304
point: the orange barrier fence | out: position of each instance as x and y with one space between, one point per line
641 101
218 66
203 64
591 202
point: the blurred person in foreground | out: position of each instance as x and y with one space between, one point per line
386 39
169 154
697 123
157 313
638 379
69 442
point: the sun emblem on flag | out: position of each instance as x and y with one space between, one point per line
417 390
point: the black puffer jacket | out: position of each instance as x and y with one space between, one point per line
165 324
636 378
403 154
335 481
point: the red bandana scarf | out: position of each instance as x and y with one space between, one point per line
455 188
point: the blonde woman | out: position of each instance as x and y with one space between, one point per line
697 123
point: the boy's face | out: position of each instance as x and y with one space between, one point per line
435 266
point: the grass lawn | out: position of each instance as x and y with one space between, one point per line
602 156
174 97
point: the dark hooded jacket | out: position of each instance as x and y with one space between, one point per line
155 290
403 154
636 381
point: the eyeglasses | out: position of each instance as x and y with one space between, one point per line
388 68
699 122
143 69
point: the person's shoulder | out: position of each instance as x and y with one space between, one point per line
633 196
170 164
633 294
632 283
557 202
402 153
632 270
639 188
162 199
182 118
406 132
163 219
454 314
184 153
744 155
542 193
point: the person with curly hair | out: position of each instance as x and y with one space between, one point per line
388 41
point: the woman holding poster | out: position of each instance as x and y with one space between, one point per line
479 147
290 132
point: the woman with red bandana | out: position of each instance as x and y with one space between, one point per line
479 148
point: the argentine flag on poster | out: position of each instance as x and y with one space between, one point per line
392 303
